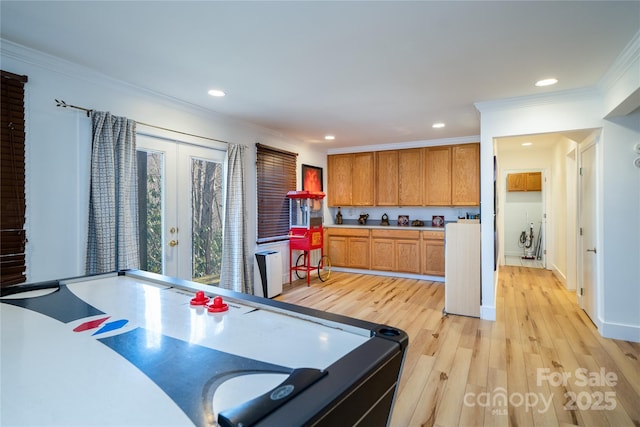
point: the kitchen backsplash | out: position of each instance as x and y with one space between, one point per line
421 213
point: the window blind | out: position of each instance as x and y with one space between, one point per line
12 180
276 175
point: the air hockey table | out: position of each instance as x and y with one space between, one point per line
135 348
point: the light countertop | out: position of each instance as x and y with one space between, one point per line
375 224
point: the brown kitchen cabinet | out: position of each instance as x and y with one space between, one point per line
410 182
524 181
350 179
433 260
465 176
386 187
437 176
339 179
395 250
349 247
362 191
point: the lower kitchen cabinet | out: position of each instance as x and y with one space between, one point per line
402 251
395 250
433 261
349 247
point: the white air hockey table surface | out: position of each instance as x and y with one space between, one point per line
136 348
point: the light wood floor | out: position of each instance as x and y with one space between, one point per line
462 371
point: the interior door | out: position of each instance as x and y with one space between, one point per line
180 207
588 246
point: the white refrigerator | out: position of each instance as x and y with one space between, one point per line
462 269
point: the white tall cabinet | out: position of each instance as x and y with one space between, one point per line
462 269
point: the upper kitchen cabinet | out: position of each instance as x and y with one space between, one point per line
362 179
410 183
387 178
339 179
525 181
350 179
465 176
437 176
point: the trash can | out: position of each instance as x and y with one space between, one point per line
267 274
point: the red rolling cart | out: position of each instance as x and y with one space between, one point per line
306 235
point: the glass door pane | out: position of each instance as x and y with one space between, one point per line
206 220
150 198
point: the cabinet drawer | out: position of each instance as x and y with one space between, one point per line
395 234
433 235
357 232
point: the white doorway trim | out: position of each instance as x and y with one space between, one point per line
589 261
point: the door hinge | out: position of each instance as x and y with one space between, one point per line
581 231
581 170
544 251
581 291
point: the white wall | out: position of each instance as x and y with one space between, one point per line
619 184
58 144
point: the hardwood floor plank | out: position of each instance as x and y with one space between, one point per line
465 371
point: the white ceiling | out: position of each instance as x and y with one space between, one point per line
370 72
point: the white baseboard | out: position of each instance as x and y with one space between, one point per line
618 331
487 313
389 274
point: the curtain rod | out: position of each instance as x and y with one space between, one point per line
61 103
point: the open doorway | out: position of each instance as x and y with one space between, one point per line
524 218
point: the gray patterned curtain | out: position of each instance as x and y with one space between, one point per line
113 201
236 266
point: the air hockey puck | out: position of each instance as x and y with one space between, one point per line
218 306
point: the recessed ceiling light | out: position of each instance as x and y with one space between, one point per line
437 125
329 137
546 82
216 92
527 144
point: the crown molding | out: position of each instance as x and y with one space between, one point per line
627 59
404 145
550 98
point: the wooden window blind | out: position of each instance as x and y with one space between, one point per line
12 179
276 175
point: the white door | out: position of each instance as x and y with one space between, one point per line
180 208
588 237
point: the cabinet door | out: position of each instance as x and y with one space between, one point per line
387 178
407 256
382 254
516 182
433 257
534 181
362 179
465 179
359 252
339 179
410 182
438 176
338 250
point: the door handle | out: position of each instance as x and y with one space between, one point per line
173 243
592 250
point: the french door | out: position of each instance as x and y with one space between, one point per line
180 198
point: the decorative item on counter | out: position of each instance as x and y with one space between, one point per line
363 219
417 223
384 220
339 217
403 220
437 220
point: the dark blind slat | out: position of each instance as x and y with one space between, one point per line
12 179
276 175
